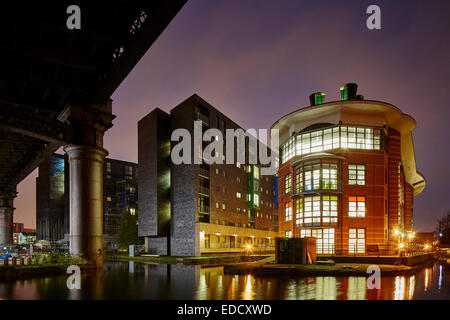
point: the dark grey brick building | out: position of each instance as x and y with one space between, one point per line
194 209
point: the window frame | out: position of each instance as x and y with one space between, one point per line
357 170
357 213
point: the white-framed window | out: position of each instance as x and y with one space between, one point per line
331 138
288 183
316 210
324 239
256 199
357 207
288 211
357 174
356 240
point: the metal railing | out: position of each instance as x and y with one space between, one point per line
407 250
203 209
203 172
203 190
233 245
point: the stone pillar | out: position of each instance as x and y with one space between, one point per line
86 201
86 157
6 218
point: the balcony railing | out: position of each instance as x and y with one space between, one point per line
203 190
407 250
233 245
203 209
203 172
202 118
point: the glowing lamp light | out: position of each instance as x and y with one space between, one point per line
427 246
249 247
401 245
396 232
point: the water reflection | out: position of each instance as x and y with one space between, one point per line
153 281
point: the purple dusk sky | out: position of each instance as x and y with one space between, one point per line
258 60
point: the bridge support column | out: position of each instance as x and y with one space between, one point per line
86 201
86 157
6 218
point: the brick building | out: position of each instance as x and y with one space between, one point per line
52 197
347 173
194 209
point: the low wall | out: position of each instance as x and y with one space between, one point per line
407 261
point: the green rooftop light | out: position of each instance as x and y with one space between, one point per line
348 91
317 98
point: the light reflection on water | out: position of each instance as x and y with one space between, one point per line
151 281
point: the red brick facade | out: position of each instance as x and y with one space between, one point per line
388 198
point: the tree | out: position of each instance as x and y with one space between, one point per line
128 231
443 229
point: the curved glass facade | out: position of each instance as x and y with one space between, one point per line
345 137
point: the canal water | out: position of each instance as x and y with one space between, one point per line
128 280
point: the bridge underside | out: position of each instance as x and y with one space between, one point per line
55 88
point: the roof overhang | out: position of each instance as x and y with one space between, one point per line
362 112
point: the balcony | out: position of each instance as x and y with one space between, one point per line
203 218
203 191
201 117
203 172
203 209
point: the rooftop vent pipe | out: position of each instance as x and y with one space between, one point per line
317 98
348 91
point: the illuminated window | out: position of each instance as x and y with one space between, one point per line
288 211
238 164
299 212
356 207
256 172
238 194
316 210
288 234
287 183
357 174
224 206
329 177
132 211
329 209
331 138
356 240
324 239
217 205
287 150
256 200
108 199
